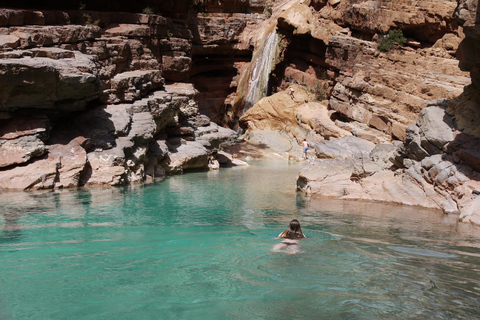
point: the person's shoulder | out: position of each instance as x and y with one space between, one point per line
282 235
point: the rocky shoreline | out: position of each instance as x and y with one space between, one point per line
444 177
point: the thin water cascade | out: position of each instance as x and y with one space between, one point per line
259 71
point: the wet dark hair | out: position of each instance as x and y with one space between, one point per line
294 231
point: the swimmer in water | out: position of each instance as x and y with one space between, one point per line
291 237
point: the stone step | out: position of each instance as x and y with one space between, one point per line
363 131
48 52
37 36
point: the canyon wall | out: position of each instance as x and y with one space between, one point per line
331 49
436 165
93 98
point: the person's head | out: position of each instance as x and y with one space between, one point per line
294 230
294 225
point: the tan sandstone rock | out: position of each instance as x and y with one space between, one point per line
72 160
40 174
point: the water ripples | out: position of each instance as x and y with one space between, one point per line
199 246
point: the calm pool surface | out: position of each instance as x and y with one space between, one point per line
198 246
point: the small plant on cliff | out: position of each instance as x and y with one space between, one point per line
83 18
88 20
268 11
148 10
319 91
321 73
391 39
281 44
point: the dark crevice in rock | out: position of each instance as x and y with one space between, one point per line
302 62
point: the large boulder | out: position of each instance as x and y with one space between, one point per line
276 112
189 155
355 179
22 139
72 160
435 126
470 212
143 128
106 167
214 136
345 147
40 174
20 150
315 116
62 166
431 133
48 83
132 85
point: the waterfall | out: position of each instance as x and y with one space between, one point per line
259 71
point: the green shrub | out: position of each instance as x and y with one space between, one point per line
268 11
391 39
321 73
87 20
80 17
148 10
319 91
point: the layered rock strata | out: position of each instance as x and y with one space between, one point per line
437 165
89 105
372 94
331 49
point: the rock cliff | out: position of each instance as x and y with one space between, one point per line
330 48
436 165
91 98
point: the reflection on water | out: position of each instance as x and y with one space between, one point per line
198 246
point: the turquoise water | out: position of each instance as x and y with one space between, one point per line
198 246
